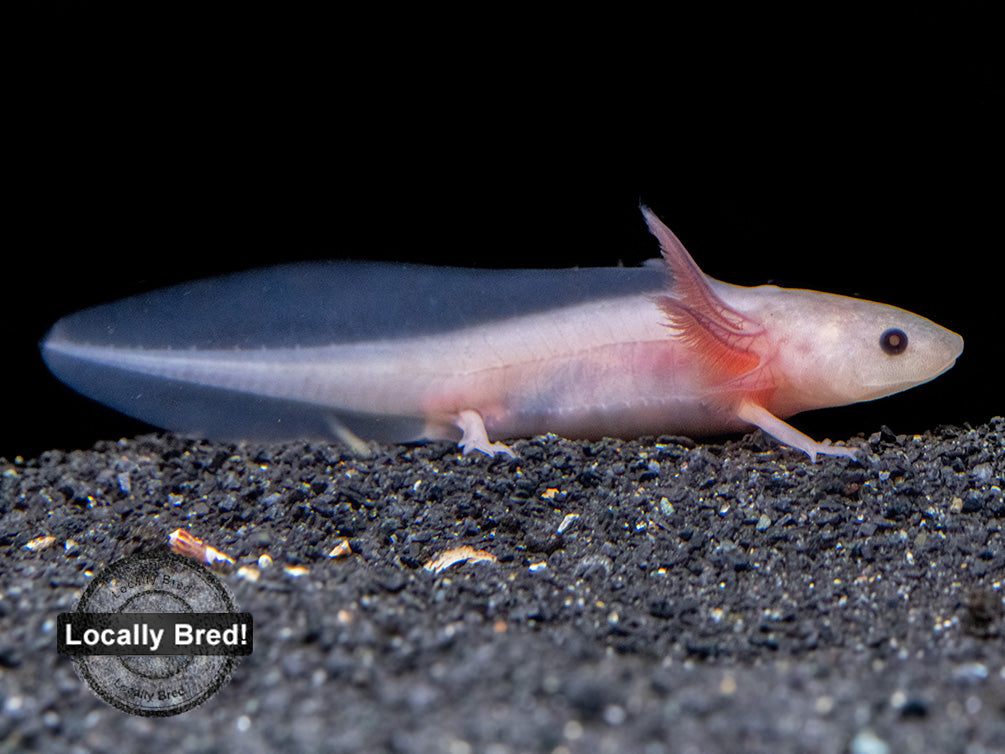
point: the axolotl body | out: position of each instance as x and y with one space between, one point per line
404 352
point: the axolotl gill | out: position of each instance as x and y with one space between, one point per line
398 353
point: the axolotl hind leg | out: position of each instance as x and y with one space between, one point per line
475 437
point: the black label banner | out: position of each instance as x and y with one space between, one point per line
227 634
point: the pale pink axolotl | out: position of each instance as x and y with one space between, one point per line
403 352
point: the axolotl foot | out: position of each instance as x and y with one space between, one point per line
475 437
826 449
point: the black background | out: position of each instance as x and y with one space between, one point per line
852 153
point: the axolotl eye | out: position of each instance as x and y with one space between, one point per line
893 342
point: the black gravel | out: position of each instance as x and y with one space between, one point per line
700 598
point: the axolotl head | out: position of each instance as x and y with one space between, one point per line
792 350
831 350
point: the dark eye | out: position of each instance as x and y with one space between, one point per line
893 342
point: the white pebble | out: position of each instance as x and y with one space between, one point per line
866 742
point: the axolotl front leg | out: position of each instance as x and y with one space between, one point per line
789 435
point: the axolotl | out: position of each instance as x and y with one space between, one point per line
399 353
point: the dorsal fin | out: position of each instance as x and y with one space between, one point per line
721 337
